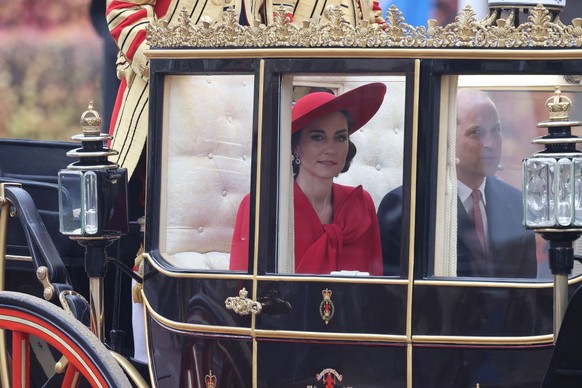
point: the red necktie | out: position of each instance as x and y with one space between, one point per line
478 219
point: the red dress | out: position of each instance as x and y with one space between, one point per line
351 242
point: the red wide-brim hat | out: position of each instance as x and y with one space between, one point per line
360 103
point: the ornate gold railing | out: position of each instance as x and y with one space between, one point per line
541 30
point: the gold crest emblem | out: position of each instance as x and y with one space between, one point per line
326 307
330 377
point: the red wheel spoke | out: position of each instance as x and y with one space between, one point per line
72 376
20 360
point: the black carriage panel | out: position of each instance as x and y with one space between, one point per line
471 366
182 358
330 363
195 301
330 307
450 311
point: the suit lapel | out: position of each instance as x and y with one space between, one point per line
500 218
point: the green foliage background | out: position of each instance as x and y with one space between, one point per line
50 63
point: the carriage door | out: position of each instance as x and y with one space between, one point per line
344 326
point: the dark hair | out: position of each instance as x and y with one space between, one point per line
295 142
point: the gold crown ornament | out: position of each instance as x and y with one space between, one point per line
210 380
558 106
91 121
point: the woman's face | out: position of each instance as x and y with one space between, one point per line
323 146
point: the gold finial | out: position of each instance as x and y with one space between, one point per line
558 106
210 380
91 121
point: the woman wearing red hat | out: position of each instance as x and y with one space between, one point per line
335 226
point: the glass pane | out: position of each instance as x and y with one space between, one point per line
331 197
564 192
70 202
206 166
577 191
91 209
538 174
496 121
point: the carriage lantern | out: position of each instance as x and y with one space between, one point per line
91 188
93 206
552 199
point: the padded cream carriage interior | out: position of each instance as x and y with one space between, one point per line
207 159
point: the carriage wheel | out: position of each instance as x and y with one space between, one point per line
82 360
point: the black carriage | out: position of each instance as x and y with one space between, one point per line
220 129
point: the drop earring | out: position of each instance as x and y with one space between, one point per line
297 159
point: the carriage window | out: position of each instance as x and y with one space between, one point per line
328 224
490 129
206 166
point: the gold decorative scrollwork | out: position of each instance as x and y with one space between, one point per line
401 34
242 305
540 30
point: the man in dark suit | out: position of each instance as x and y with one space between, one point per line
491 240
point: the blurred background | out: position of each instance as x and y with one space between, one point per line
56 56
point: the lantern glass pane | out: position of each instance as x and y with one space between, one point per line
564 193
71 203
538 188
577 171
91 202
